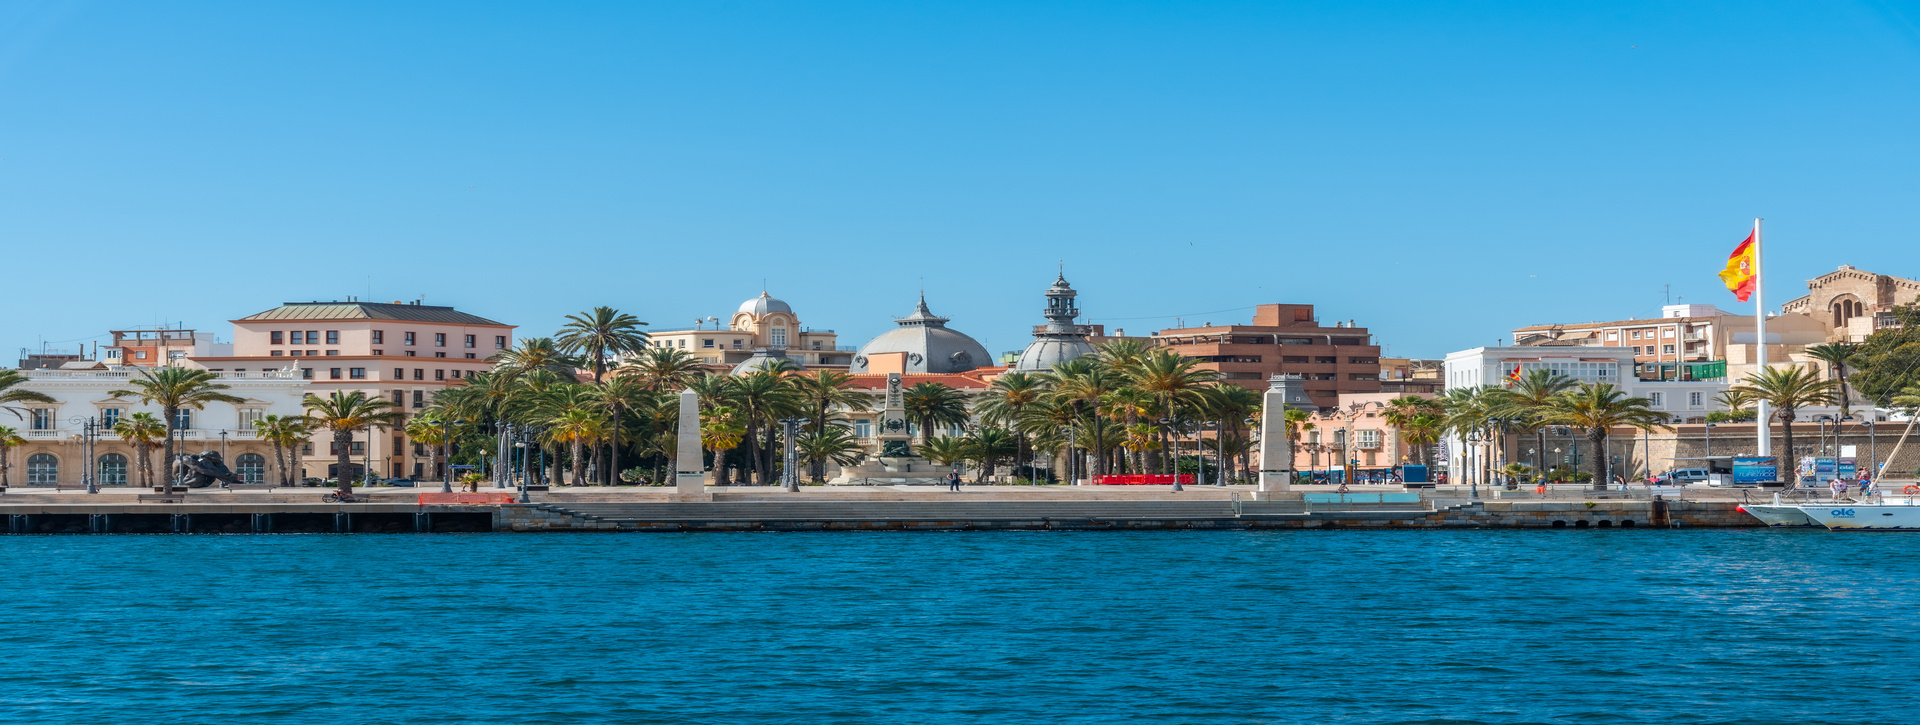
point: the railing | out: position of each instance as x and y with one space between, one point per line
44 433
129 374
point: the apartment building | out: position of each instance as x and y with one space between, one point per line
404 352
1686 342
1341 359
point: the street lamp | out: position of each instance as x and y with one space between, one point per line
446 452
521 444
1821 447
1069 432
89 433
1709 429
1174 439
791 474
1474 437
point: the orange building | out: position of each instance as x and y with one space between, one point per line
1284 339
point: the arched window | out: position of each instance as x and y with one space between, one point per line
251 467
113 469
43 469
779 335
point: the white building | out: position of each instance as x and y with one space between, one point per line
52 453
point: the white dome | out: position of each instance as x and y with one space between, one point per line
1042 355
764 304
929 345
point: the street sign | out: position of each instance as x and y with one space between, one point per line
1755 470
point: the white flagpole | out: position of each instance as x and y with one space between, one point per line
1762 425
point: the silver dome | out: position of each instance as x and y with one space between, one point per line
1042 355
1060 340
931 348
764 304
762 357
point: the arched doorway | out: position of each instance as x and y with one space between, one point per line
43 469
251 467
113 469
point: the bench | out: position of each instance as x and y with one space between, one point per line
163 498
249 487
58 487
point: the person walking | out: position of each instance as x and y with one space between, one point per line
953 480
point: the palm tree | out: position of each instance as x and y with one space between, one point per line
601 332
1423 431
1083 386
430 430
286 433
764 396
822 394
174 388
668 369
834 443
1788 389
1127 406
1403 412
344 412
9 440
534 353
617 397
720 431
1298 422
1172 379
143 432
11 393
1527 401
1836 355
1006 399
1235 405
1735 399
1597 408
576 427
933 404
1139 438
944 450
989 446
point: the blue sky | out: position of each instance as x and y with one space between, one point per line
1439 172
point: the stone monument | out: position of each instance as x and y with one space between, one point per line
895 441
689 483
896 462
1276 447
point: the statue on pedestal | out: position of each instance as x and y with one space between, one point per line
202 470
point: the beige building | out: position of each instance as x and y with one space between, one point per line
1853 303
403 352
1687 342
765 328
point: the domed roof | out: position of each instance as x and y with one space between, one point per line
764 304
1043 354
931 348
762 357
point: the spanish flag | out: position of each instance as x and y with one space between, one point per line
1513 377
1740 271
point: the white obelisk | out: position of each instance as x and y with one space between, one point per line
689 483
1276 447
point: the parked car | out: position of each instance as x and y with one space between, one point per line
400 482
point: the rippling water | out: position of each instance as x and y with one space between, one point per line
1202 627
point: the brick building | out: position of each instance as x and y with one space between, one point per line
1289 339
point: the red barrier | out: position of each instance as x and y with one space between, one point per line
466 499
1141 480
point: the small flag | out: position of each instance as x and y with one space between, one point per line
1513 377
1739 274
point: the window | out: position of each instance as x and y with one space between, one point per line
409 337
43 470
1668 349
1369 438
469 340
183 419
357 373
333 337
736 344
109 417
379 337
1667 332
113 353
439 339
399 398
1293 358
333 373
313 337
139 354
439 375
1696 399
295 353
251 467
249 417
439 354
333 352
306 373
274 338
399 373
408 353
1613 337
816 344
275 353
419 399
863 428
1636 334
708 343
40 419
113 469
499 342
296 335
378 352
780 336
469 356
399 444
1363 360
1658 399
176 354
419 374
1362 376
306 449
1323 360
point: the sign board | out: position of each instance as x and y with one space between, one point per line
1847 468
1755 470
1413 474
1824 467
1849 451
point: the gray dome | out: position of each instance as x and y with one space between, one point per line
1042 355
762 357
931 348
764 304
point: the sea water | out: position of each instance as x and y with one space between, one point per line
1701 626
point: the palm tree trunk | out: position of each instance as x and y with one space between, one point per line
1792 462
577 455
1599 458
766 452
343 457
753 447
173 414
6 480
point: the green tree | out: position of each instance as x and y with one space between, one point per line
1085 386
533 353
1172 380
11 392
174 388
286 433
834 443
142 431
1597 408
1836 355
1408 412
1889 359
720 431
989 446
1787 390
934 404
1006 399
1527 401
944 450
764 397
430 430
9 440
617 397
824 394
1235 406
664 369
600 333
342 413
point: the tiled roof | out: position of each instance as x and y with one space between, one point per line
870 381
371 311
1642 322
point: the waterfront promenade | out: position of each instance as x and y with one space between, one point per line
864 508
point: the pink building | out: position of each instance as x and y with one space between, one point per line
1355 429
404 352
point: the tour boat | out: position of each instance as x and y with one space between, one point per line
1892 514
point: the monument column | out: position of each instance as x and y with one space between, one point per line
895 442
689 483
1276 447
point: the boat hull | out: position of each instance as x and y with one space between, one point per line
1857 517
1782 516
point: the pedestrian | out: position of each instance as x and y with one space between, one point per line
1838 486
953 480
